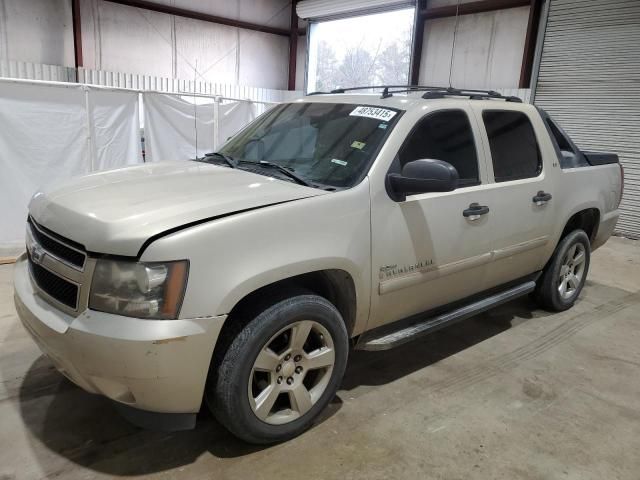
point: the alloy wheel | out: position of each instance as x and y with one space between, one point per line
291 372
571 271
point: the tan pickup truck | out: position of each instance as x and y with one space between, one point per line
337 221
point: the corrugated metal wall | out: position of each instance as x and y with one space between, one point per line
127 39
315 9
589 81
175 85
36 71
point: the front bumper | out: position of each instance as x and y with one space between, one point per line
153 365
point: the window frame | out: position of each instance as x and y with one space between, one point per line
580 160
313 22
489 153
396 166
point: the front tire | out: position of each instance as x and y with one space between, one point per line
563 278
281 370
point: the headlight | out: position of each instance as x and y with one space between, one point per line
139 289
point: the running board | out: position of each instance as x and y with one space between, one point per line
390 339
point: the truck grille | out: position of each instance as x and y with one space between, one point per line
61 248
56 287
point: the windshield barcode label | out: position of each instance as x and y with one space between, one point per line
373 112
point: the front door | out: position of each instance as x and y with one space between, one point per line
433 248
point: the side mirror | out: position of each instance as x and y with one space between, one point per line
423 176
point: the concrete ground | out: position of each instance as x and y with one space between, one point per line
517 393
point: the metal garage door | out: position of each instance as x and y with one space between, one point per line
589 80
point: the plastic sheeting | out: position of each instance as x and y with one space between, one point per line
53 131
234 116
181 127
170 128
115 129
50 132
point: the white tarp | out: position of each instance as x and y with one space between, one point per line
170 127
171 123
46 135
234 116
50 132
43 138
115 128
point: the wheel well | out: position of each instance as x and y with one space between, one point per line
586 220
337 286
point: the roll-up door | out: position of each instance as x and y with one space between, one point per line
589 80
321 9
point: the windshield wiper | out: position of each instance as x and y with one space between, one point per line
229 160
284 170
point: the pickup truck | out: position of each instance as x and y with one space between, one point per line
242 279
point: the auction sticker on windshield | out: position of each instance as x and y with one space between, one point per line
373 112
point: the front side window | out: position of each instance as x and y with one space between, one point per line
329 145
445 136
514 148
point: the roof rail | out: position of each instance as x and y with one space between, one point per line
371 87
430 92
471 93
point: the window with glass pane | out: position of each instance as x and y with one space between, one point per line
514 148
359 51
445 136
324 143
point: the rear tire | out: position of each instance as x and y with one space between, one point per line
281 370
563 278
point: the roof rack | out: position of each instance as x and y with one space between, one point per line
430 92
370 87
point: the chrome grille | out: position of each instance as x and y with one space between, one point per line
60 269
57 287
59 247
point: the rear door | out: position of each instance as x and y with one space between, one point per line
520 189
437 248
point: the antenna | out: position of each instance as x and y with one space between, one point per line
195 106
453 44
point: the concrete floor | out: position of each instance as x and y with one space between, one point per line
514 393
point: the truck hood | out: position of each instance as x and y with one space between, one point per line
116 211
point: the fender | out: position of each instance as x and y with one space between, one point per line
238 254
269 277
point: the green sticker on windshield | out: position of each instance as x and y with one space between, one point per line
339 162
358 145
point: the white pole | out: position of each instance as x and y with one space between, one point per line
216 122
90 139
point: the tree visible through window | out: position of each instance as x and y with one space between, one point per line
358 51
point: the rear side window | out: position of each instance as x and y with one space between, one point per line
514 149
446 136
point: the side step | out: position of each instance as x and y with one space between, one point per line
378 340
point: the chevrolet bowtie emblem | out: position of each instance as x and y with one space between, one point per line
37 253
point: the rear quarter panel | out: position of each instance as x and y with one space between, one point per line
589 187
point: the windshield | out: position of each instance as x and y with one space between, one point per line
325 144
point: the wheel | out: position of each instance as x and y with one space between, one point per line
563 278
281 370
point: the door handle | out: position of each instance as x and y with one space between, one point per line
541 198
474 211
